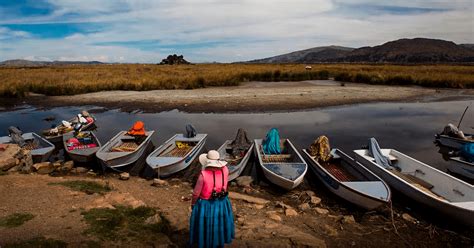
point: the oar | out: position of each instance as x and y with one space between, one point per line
462 116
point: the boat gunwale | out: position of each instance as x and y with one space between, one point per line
245 157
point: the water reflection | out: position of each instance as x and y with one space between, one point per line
407 127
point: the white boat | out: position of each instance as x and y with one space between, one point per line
122 150
41 149
84 154
235 165
287 169
424 184
461 167
351 181
453 142
176 154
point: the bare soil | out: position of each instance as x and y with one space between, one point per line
252 96
57 211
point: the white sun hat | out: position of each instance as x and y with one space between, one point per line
211 159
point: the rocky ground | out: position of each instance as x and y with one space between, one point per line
250 97
264 217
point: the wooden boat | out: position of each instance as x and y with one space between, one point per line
176 154
287 169
453 142
461 167
41 149
424 184
235 165
351 181
82 155
123 150
56 138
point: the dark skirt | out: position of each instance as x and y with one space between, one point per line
212 223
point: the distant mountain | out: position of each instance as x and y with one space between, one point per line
29 63
418 50
307 55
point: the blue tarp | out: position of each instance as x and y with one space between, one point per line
376 153
467 152
271 144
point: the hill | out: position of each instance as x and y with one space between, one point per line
29 63
417 50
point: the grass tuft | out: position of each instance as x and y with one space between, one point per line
123 223
88 187
15 220
38 242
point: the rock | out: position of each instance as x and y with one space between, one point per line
155 219
259 206
273 216
15 169
67 166
315 200
283 205
310 193
247 198
240 219
322 211
348 219
26 159
291 212
57 165
409 218
79 170
124 176
304 207
43 168
158 182
329 230
174 60
8 156
114 199
244 181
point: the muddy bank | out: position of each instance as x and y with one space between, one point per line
251 97
263 217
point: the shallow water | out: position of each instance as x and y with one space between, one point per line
407 127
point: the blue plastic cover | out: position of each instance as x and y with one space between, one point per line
271 144
467 152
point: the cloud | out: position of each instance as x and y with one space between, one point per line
213 30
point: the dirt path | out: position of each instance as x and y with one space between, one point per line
253 96
57 215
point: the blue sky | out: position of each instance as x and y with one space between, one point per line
214 30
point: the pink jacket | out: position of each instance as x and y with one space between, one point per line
205 183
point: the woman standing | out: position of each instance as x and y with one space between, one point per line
212 220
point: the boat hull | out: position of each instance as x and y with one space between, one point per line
165 168
460 214
451 142
460 167
239 168
279 180
41 154
343 191
123 159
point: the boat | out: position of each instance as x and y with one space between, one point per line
56 133
176 154
351 181
235 164
454 143
287 169
460 166
123 150
82 153
424 184
41 149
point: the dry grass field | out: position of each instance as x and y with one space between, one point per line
76 79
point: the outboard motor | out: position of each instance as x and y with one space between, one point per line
15 135
190 131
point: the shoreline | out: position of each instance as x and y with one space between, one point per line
248 97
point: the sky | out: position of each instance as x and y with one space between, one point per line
146 31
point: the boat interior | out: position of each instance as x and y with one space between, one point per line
178 149
128 143
288 155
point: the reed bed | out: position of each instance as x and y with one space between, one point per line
77 79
